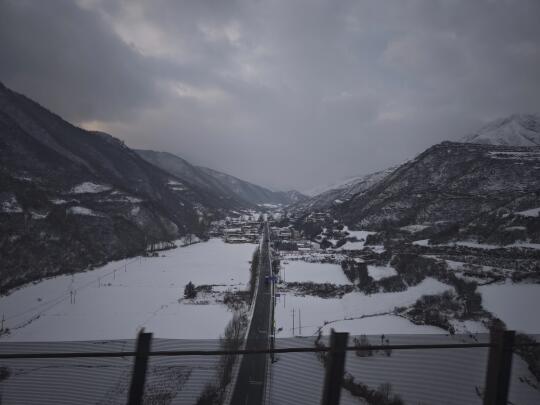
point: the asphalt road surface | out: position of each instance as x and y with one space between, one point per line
251 379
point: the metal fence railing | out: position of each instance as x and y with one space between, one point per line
420 369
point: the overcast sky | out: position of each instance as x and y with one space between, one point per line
285 93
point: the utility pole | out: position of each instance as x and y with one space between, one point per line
293 321
299 322
3 319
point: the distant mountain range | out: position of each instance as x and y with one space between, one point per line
238 193
71 199
451 185
448 182
342 192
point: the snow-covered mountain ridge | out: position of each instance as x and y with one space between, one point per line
514 130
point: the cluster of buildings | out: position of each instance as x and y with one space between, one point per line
289 234
318 217
237 230
285 233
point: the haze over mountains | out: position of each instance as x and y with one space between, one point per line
487 188
241 193
514 130
71 198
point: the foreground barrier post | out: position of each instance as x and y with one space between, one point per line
499 368
335 367
138 377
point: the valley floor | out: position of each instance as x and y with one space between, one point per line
110 304
315 297
116 300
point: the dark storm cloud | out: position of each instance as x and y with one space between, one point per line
70 60
290 94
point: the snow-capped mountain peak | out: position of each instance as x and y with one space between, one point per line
514 130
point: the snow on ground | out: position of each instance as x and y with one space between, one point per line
89 187
426 376
477 245
82 211
525 245
267 205
534 212
58 201
380 272
117 196
352 246
38 215
515 304
414 228
81 381
10 205
466 327
312 256
315 311
415 375
360 235
423 242
114 301
301 271
176 185
474 244
384 324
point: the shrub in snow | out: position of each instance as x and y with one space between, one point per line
189 291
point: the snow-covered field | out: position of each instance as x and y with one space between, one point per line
380 272
113 302
515 304
415 375
355 312
301 271
116 300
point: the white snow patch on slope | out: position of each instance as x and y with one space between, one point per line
422 242
10 205
533 212
82 211
357 245
89 187
414 228
515 130
38 215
